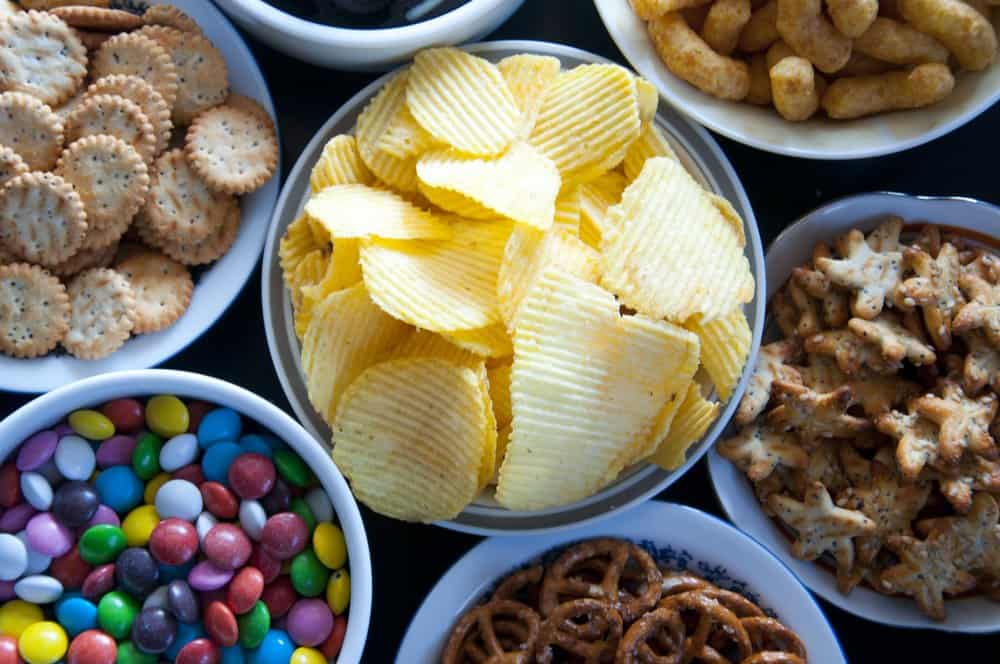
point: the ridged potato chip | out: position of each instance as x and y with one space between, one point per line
462 100
725 346
310 269
521 184
587 121
586 384
652 142
358 211
529 78
499 377
404 137
649 99
674 255
296 244
439 285
689 424
413 437
424 344
372 124
528 253
340 163
490 341
568 210
596 197
342 271
503 439
346 335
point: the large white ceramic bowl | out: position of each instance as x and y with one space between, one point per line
50 409
676 535
819 138
791 249
366 50
216 287
701 156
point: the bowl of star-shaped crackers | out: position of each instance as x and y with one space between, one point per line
137 155
866 452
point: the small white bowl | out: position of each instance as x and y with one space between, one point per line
53 407
366 50
818 138
793 248
679 536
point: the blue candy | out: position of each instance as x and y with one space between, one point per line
259 444
217 459
76 614
170 573
119 488
277 646
233 655
219 425
186 633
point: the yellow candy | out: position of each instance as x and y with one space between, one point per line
167 416
149 495
329 545
43 643
139 523
91 425
16 615
338 591
307 656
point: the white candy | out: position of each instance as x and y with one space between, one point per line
75 458
178 452
38 589
252 518
178 499
37 562
320 504
156 600
37 491
204 524
13 557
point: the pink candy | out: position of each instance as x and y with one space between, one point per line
47 536
116 451
206 576
16 518
309 622
37 450
105 515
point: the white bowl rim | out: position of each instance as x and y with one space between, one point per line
50 407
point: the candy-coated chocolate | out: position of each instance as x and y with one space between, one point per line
278 499
216 460
300 507
233 655
13 557
70 569
279 595
221 424
251 475
8 651
10 485
257 444
254 625
17 517
146 455
338 591
92 647
220 623
173 541
284 535
186 633
75 458
156 599
36 450
76 614
48 536
219 500
182 601
227 546
101 544
309 575
269 566
319 504
178 452
245 589
16 615
153 631
276 646
75 503
331 647
207 576
120 488
37 562
292 468
37 490
115 451
152 486
126 415
192 473
196 413
170 573
139 525
310 622
252 518
129 654
91 424
303 655
38 589
136 572
99 582
166 416
178 499
204 524
329 544
199 651
116 612
43 643
104 515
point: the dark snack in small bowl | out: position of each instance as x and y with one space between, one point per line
367 14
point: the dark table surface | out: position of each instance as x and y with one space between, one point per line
408 559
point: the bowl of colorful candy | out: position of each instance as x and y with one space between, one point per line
151 516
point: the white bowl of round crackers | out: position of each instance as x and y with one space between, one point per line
977 221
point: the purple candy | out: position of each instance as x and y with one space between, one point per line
47 536
116 451
16 518
206 576
104 514
6 590
63 429
310 622
37 450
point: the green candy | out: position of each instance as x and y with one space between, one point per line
254 625
292 468
146 456
129 654
309 575
116 612
102 543
301 507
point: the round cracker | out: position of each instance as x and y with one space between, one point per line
31 129
113 115
86 259
162 288
138 91
102 313
34 310
137 55
93 40
44 218
233 150
97 18
249 105
58 62
201 69
171 17
202 252
11 165
52 4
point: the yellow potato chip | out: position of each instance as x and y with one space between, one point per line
528 253
674 255
725 346
730 214
310 269
404 137
503 439
568 210
342 271
586 386
652 142
587 121
490 341
296 244
340 163
689 425
529 78
488 464
462 100
521 184
358 211
499 378
413 436
346 335
596 197
455 203
649 99
371 126
303 315
439 285
424 344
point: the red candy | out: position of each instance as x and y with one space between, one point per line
8 651
227 546
268 565
10 485
220 623
332 645
279 595
127 415
199 651
251 476
285 535
192 473
173 542
196 412
92 647
219 500
245 589
70 569
99 582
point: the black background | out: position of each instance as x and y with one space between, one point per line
408 559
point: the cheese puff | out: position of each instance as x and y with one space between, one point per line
803 25
857 96
963 30
690 58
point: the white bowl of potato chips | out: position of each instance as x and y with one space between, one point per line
464 350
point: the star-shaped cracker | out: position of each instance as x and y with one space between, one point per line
872 274
851 352
772 364
976 535
886 236
796 313
927 572
814 415
821 373
982 364
963 423
935 289
824 466
895 341
983 309
833 302
917 436
958 482
878 394
758 449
